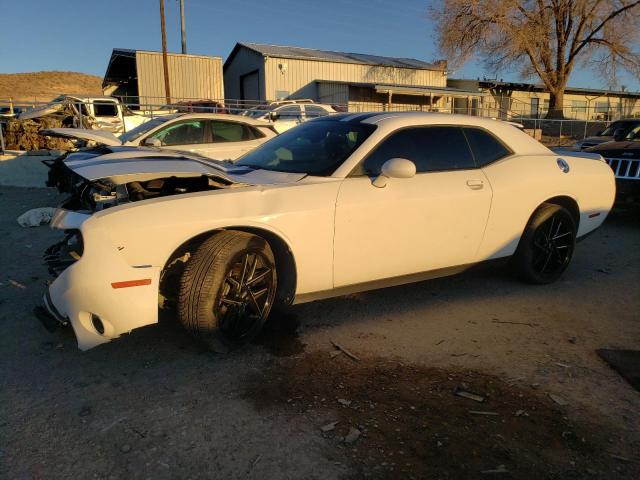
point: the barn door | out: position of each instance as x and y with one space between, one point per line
250 86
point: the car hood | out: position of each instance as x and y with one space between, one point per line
41 111
128 164
624 149
101 137
590 141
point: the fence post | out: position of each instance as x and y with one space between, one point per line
560 134
1 140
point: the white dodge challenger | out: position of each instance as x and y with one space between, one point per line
339 204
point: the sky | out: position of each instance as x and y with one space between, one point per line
78 35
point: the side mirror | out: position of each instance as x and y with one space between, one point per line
619 134
273 116
152 142
395 168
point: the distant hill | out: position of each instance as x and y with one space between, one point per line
43 86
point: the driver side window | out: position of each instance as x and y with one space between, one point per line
432 149
182 133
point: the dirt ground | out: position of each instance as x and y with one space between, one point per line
155 404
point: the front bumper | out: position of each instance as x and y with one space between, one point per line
93 291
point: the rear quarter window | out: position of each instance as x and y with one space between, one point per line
486 148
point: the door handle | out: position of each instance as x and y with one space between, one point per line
475 184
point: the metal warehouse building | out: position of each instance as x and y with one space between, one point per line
362 82
137 76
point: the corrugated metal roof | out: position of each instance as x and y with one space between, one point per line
340 57
130 52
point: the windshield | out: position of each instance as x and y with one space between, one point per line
141 129
619 125
314 148
634 134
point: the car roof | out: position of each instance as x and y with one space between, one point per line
437 118
518 141
224 116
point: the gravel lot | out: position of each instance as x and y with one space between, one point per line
157 405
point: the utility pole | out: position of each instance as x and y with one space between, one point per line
183 33
165 64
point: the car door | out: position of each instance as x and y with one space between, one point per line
433 220
107 116
230 140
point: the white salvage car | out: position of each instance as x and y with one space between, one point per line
339 204
214 135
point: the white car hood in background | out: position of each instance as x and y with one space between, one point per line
99 136
41 111
141 165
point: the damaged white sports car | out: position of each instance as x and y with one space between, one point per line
339 204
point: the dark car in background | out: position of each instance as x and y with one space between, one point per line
624 159
617 131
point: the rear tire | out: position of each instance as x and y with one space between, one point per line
546 246
227 289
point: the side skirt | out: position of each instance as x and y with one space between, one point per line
395 281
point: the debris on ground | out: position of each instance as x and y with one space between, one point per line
36 217
619 457
329 426
353 435
461 392
17 284
126 448
344 402
345 351
529 438
558 399
528 324
499 469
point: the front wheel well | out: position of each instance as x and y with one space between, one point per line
285 263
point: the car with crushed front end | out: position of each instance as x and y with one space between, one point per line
340 204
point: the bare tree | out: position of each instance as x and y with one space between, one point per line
546 38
